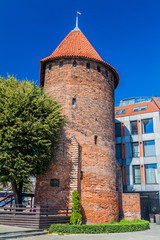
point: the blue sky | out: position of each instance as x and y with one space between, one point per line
125 33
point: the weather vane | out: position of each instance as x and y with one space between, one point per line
78 13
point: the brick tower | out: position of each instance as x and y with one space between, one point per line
84 84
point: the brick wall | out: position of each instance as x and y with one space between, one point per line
131 206
93 115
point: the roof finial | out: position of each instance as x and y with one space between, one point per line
77 28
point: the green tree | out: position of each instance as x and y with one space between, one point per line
76 217
30 124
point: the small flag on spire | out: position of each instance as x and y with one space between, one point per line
79 13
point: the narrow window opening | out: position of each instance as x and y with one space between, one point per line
74 101
42 85
50 67
54 182
61 65
88 66
74 64
95 139
98 69
81 175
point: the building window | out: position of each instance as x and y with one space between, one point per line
54 182
120 111
118 151
74 101
88 66
147 125
134 127
138 109
149 148
136 174
95 140
135 149
74 64
61 65
98 69
50 67
81 175
118 129
151 173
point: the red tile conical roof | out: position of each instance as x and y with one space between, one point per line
75 44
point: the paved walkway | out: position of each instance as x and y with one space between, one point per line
5 228
151 234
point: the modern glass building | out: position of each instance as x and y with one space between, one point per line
137 125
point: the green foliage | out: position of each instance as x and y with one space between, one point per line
76 202
27 187
124 226
30 123
76 217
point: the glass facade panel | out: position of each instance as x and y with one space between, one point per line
134 128
135 149
118 151
149 148
147 125
136 174
118 129
151 173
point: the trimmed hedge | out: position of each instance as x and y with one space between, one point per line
123 226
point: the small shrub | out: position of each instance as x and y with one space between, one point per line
76 217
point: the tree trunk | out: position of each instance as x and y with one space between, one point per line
17 189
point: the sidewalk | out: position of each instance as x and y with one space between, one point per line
151 234
6 228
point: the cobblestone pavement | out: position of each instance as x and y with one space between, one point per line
151 234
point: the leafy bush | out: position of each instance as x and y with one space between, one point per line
123 226
76 217
30 125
